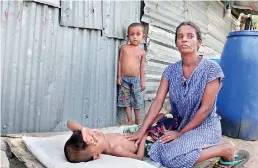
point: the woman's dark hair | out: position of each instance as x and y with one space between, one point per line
189 23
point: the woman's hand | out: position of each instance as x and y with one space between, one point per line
137 137
170 136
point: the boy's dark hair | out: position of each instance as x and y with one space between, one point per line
73 149
134 25
193 25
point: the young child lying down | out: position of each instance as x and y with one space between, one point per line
87 144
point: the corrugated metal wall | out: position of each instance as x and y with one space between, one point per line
218 27
118 15
51 73
83 14
163 17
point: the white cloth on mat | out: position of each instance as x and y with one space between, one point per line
50 152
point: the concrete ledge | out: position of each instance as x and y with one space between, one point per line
4 160
5 147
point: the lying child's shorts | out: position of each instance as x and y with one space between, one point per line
167 123
129 93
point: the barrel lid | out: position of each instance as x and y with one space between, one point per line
243 33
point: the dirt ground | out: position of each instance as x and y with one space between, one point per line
15 163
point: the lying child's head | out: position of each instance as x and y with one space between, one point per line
135 33
76 150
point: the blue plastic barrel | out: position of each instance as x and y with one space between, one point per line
238 100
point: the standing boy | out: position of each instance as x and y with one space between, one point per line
131 73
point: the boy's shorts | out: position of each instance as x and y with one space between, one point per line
129 93
167 123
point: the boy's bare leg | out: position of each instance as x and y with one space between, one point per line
226 151
128 111
137 116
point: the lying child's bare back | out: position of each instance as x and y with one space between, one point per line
130 60
118 141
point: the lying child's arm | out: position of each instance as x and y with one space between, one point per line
73 126
119 151
87 134
141 149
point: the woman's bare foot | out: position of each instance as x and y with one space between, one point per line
228 151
